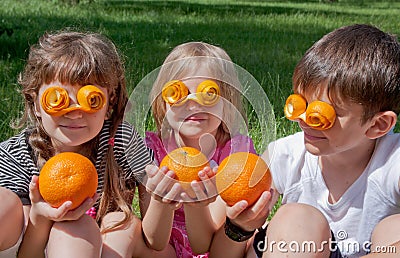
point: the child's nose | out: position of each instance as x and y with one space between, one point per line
74 114
192 105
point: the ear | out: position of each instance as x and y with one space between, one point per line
36 109
381 124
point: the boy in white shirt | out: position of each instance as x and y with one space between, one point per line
339 177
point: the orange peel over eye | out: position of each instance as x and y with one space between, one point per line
320 115
208 92
91 98
173 91
295 106
54 99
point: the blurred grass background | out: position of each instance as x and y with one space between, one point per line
266 38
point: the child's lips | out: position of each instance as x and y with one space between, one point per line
311 137
195 118
73 127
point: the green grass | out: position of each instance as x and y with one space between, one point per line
266 38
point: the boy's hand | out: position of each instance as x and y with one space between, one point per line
205 190
162 186
250 218
42 211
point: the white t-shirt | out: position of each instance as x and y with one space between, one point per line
372 197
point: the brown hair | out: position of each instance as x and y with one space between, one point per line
184 61
78 58
359 63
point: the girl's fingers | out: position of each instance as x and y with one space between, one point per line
34 193
207 178
198 190
165 184
155 175
151 170
172 194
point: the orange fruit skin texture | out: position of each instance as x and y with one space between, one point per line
67 176
186 162
242 176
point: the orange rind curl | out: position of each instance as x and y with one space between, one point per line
295 106
174 91
320 115
55 100
91 98
208 92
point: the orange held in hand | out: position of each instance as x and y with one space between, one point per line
242 176
186 162
67 176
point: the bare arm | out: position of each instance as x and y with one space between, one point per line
41 219
202 223
157 208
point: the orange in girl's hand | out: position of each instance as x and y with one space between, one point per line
67 176
242 176
186 162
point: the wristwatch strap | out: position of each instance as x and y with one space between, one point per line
236 233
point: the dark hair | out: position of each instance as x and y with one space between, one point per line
78 58
359 63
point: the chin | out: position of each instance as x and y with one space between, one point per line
313 149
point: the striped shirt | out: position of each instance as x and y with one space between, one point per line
17 165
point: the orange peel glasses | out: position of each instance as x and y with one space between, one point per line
55 100
318 115
176 93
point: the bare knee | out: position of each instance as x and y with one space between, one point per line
387 231
11 218
300 217
84 234
300 223
130 231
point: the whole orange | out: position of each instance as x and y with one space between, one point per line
242 176
186 162
67 176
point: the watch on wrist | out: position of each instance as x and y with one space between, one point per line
236 233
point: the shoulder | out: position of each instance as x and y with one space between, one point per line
287 147
154 143
17 164
17 149
152 139
125 135
384 165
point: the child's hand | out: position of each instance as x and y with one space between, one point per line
205 190
250 218
162 186
41 210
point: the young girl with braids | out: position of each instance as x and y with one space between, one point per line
70 64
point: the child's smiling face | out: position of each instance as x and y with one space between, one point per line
192 120
74 128
346 134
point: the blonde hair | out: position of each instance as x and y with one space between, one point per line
186 60
78 58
